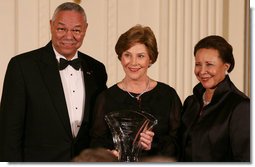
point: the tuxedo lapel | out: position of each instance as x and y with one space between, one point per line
89 88
50 74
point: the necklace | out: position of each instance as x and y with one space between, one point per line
204 101
138 96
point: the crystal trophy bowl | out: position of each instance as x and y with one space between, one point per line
126 126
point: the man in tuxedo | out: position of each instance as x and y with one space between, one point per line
49 94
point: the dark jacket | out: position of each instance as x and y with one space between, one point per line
222 132
34 121
162 102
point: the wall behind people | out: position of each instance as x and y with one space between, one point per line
177 24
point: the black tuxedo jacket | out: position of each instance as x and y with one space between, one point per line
34 121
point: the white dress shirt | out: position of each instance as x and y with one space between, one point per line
74 89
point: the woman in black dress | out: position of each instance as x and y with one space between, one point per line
216 118
137 51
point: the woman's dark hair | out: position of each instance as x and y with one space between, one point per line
138 34
221 45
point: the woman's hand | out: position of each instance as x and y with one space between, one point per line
146 139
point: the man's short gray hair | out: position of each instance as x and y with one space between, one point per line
69 6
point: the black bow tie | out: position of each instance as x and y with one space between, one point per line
63 63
